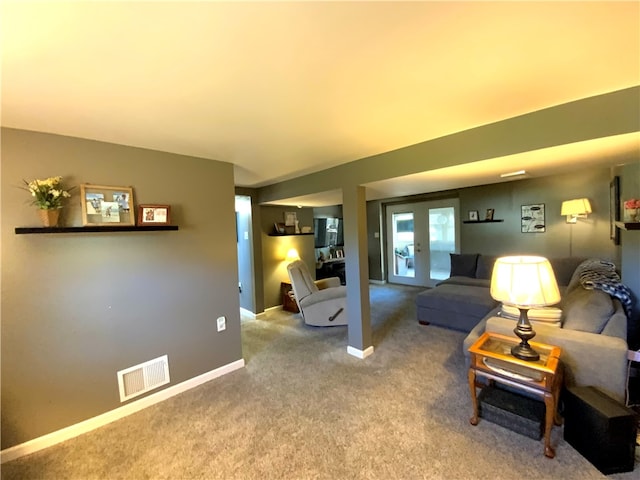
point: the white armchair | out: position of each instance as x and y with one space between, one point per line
322 303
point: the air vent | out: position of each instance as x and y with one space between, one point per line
142 378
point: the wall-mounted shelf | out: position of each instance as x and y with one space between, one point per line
96 229
628 225
289 234
482 221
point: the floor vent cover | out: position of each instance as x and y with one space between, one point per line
142 378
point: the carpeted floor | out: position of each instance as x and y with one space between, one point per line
305 409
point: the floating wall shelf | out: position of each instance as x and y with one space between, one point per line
96 229
628 225
288 234
482 221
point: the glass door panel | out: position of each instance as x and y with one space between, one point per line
442 241
403 251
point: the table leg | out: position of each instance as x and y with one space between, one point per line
474 399
550 404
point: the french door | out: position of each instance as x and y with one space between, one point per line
420 237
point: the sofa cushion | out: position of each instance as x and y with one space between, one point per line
463 264
485 266
586 310
474 301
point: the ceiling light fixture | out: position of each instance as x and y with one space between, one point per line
513 174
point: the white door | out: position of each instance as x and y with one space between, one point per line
420 237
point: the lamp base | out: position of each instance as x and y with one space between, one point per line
523 351
525 332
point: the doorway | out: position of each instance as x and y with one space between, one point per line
420 237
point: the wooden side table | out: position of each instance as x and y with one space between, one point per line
288 298
491 358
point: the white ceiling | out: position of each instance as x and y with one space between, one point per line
285 89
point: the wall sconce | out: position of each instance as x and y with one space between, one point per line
292 255
574 209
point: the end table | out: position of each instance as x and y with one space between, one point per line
288 298
491 358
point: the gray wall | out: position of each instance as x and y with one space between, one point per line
589 237
630 244
76 308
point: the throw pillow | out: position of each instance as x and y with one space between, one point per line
586 310
485 266
463 265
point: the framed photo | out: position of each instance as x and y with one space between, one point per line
279 227
290 219
614 210
532 218
154 214
489 215
103 205
473 215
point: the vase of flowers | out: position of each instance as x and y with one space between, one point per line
48 195
631 208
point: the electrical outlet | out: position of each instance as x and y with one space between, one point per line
222 323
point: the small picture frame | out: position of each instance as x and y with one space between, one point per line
473 215
154 214
106 206
278 227
489 215
290 219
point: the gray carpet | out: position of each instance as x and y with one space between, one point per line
305 409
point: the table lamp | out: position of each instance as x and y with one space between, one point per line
524 282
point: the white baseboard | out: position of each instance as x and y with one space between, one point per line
248 313
360 353
85 426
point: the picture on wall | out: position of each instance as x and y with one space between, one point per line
106 206
532 218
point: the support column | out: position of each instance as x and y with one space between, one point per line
354 212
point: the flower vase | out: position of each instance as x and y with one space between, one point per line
631 215
49 218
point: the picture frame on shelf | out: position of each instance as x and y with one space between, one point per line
278 228
106 205
489 215
149 214
290 219
532 219
473 215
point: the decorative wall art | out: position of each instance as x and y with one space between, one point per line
102 205
532 218
473 215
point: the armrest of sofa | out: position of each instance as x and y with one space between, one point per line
327 282
590 359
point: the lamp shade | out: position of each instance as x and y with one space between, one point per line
292 255
577 206
524 281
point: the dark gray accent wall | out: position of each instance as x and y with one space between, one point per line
588 237
630 246
76 308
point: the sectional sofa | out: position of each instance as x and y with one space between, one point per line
588 324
